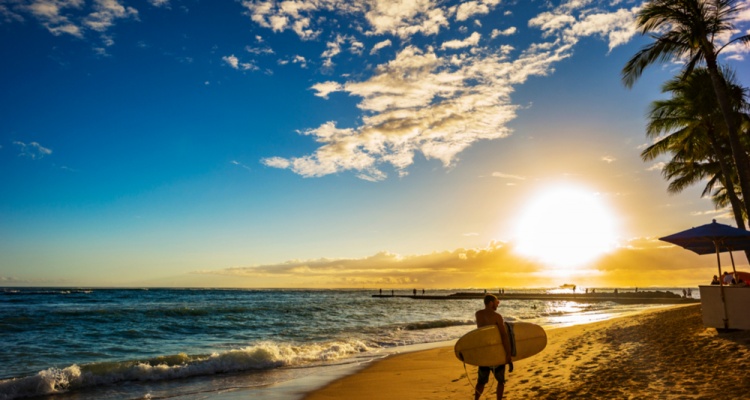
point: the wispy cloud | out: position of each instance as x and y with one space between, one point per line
239 164
657 166
106 12
417 102
569 23
436 102
259 50
32 150
72 17
335 47
159 3
723 213
235 63
608 159
508 176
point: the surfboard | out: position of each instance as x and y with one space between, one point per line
483 347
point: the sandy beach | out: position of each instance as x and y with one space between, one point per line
658 354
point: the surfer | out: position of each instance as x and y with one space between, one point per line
489 316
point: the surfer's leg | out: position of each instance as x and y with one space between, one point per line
483 376
499 373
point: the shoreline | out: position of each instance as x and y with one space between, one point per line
657 353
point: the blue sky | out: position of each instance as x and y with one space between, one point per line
321 143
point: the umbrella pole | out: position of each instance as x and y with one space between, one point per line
733 268
718 262
721 284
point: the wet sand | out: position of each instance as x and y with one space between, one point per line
664 354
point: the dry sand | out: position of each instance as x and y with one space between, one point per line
660 354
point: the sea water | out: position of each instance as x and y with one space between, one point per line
195 343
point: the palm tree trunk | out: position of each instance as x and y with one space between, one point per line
738 151
726 180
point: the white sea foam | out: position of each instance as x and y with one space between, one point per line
261 356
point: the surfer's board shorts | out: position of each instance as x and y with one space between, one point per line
484 374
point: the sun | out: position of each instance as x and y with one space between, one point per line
566 227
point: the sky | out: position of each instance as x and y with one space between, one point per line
336 144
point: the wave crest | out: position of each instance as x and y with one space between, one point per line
260 356
440 323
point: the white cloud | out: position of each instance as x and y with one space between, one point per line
507 32
52 15
472 40
106 12
435 102
282 15
355 46
469 9
392 17
657 167
300 60
159 3
618 27
259 50
380 45
323 89
71 17
235 63
334 48
276 162
32 150
550 22
415 103
608 159
405 18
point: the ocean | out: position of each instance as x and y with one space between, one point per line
189 344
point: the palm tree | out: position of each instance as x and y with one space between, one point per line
689 29
697 140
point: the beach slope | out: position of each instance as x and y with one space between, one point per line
665 353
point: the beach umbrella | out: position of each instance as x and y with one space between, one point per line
710 238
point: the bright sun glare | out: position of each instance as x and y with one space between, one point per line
566 227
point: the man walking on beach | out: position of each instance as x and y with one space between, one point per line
489 316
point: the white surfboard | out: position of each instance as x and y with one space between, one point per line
483 346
